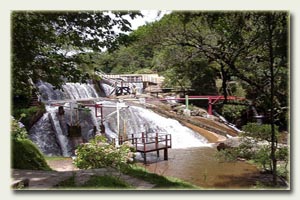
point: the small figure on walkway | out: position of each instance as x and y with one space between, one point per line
133 91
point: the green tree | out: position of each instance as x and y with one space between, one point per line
45 44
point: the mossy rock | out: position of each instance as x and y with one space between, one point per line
25 155
32 115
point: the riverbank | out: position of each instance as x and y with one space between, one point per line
67 176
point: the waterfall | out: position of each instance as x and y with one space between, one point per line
256 116
107 89
226 122
61 137
42 134
50 133
138 120
69 91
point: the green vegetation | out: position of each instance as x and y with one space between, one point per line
160 182
28 116
255 146
108 182
214 53
112 182
98 153
50 46
25 154
194 49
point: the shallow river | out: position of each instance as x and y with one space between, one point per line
200 167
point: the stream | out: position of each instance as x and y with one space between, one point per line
200 167
192 157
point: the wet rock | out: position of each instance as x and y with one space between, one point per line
229 143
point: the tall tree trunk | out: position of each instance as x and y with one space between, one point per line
224 82
271 66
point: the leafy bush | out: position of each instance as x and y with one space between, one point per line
232 112
262 157
255 145
17 131
98 153
259 132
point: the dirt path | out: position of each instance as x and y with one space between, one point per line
62 164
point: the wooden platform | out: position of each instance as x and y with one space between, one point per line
149 143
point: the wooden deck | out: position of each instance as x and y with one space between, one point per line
150 143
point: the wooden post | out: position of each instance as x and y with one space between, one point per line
166 147
136 143
120 140
132 138
166 142
156 145
145 159
143 138
166 153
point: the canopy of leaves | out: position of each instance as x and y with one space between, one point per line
194 49
45 44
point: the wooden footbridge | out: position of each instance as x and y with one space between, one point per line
149 142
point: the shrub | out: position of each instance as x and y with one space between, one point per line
98 153
17 131
232 112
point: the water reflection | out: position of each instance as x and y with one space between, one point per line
200 167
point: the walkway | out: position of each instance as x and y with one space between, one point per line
45 180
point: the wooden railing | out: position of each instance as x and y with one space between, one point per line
149 142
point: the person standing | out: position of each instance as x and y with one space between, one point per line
134 91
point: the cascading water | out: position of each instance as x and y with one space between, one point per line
50 133
256 116
43 135
137 120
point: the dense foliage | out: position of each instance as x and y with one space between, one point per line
197 49
213 53
255 145
98 154
46 45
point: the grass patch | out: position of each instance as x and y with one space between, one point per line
106 182
160 182
54 158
